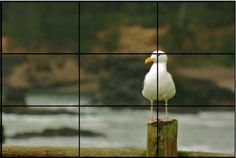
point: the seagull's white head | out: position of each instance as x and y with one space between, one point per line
162 57
152 58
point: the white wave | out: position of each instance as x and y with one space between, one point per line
35 123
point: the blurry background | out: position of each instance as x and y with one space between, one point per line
40 79
34 85
40 27
37 126
196 27
118 27
112 79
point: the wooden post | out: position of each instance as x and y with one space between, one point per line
167 138
151 139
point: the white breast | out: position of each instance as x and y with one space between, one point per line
166 87
150 84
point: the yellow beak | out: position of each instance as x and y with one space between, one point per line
148 60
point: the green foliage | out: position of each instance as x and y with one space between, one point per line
203 14
35 25
197 26
96 17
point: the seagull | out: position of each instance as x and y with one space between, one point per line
150 83
166 86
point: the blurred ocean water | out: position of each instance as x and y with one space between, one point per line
211 131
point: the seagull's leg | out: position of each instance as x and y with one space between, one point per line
166 117
151 110
166 103
151 116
